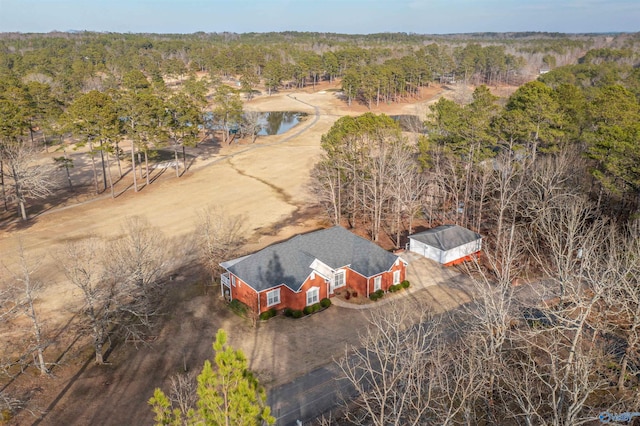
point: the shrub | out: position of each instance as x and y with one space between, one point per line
5 415
268 314
312 309
394 288
405 284
376 295
238 307
288 312
325 303
297 314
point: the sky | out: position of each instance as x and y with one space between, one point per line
338 16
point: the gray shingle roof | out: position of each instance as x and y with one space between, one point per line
446 237
288 262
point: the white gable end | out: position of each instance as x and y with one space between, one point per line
322 269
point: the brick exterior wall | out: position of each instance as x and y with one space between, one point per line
364 286
243 293
288 298
293 300
468 258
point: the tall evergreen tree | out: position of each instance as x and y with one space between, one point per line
228 394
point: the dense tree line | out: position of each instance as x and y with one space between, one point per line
50 83
72 63
143 114
466 147
549 177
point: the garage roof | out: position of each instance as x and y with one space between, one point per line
446 237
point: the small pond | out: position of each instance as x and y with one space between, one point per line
271 122
278 122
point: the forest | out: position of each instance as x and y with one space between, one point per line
550 176
153 89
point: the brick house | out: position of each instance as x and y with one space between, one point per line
307 268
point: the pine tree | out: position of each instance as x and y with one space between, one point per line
228 394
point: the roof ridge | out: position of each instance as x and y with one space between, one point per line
438 237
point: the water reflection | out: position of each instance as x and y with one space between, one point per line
278 122
270 123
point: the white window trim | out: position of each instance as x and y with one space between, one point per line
344 278
315 290
277 298
233 280
377 283
396 277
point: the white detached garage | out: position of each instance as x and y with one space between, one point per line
446 244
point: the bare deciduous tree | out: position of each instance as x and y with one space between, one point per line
19 298
623 298
251 124
326 185
390 369
27 178
120 283
561 351
29 288
220 236
9 405
82 265
183 390
138 261
409 186
457 381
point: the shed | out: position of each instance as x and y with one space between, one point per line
446 244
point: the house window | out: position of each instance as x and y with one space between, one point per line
377 283
338 279
233 280
313 295
396 277
273 297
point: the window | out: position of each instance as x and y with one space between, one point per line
396 277
377 283
233 280
273 297
313 295
338 279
